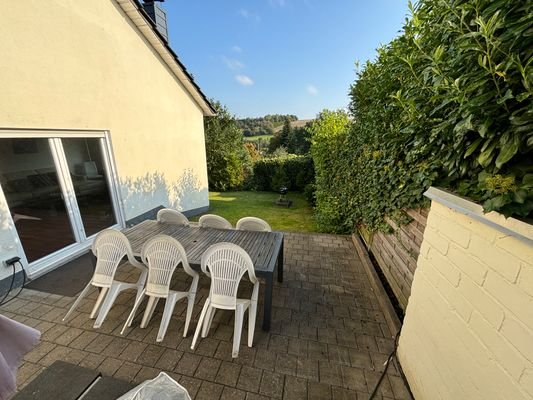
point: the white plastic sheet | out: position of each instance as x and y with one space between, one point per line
162 387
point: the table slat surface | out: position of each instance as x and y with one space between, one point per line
262 247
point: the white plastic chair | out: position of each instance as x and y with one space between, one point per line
214 221
110 247
171 216
253 224
162 254
226 263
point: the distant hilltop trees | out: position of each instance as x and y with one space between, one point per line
266 125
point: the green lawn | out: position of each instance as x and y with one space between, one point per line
235 205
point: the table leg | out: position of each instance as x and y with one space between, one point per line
280 263
268 302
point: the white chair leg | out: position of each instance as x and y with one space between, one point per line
114 291
190 306
167 316
252 313
200 323
150 308
136 306
100 298
239 316
207 324
82 294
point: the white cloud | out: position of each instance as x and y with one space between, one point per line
232 63
244 80
312 90
236 49
249 15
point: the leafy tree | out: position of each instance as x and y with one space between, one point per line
225 152
281 138
299 141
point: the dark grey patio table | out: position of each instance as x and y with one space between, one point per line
265 249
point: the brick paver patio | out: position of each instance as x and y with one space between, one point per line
328 339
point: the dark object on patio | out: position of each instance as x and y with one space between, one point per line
64 381
283 200
67 280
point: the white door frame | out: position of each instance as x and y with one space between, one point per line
83 243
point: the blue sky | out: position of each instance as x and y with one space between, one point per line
279 56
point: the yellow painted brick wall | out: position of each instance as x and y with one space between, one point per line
468 330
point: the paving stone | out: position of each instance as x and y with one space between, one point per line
92 361
255 396
272 384
249 379
151 355
109 366
208 369
228 373
338 354
307 369
399 388
372 378
83 340
330 374
232 394
116 347
295 389
187 364
286 364
318 391
339 393
133 351
209 391
99 344
265 359
168 360
353 378
191 384
146 373
127 371
42 349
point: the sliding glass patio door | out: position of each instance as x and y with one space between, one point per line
59 191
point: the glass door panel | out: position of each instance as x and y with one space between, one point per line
88 175
31 185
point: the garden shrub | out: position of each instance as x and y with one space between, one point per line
448 103
292 171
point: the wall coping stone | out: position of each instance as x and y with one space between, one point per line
510 226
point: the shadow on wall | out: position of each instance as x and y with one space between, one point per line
152 190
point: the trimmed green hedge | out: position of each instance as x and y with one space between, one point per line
294 172
448 103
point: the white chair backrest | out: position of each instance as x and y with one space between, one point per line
110 247
253 224
226 263
162 254
171 216
214 221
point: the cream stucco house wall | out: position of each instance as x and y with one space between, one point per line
97 70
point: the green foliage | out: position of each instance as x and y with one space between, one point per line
263 125
226 155
297 140
448 103
328 137
294 172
